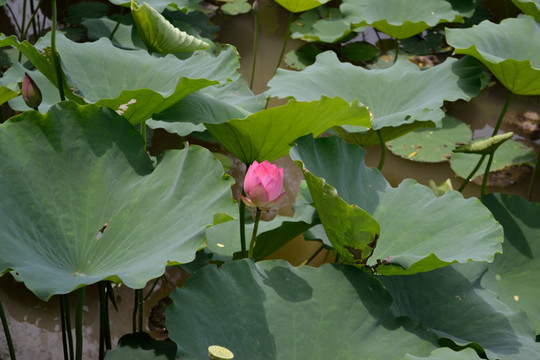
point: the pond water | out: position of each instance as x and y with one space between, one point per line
35 325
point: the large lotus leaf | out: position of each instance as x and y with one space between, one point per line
432 145
82 203
214 104
159 35
321 24
399 18
160 5
271 310
529 7
267 134
296 6
9 87
41 59
395 96
514 274
452 303
511 153
352 231
510 50
447 354
419 231
137 84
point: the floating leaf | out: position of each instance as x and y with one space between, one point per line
505 50
141 346
75 205
271 310
321 24
267 134
419 231
75 13
452 303
395 96
235 7
302 57
399 19
103 27
137 84
359 51
510 154
484 146
159 35
431 144
514 274
529 7
297 6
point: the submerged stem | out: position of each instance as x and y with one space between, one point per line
7 333
533 176
78 323
254 235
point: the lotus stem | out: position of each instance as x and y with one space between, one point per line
380 40
7 333
143 133
135 307
23 22
138 311
383 150
255 41
287 34
140 306
397 51
56 60
471 174
533 177
486 174
32 21
254 235
117 23
78 323
14 18
314 255
495 131
104 328
63 323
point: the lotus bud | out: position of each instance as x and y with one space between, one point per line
30 92
263 185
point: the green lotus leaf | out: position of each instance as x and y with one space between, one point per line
514 275
452 303
9 87
484 146
447 354
104 27
2 2
267 134
214 104
505 50
271 310
431 144
159 35
511 153
41 59
395 96
529 7
418 231
359 51
352 231
75 13
136 84
6 94
297 6
160 5
141 346
400 19
75 206
235 7
321 24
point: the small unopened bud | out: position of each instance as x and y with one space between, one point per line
255 6
30 92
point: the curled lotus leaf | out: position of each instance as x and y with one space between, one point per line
506 49
159 35
529 7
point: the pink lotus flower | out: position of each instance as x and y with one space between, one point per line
263 185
